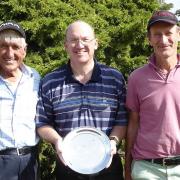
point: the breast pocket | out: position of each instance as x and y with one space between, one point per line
103 104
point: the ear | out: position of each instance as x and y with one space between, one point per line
65 45
25 51
178 34
96 44
149 39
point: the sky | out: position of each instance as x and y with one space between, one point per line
176 4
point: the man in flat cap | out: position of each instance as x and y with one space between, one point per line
153 98
18 97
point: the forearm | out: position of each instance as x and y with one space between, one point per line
119 132
49 134
128 156
130 139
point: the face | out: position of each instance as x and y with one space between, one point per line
12 54
80 43
163 37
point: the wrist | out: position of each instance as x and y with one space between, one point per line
58 141
115 139
58 144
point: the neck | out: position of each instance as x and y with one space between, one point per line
83 73
13 76
166 64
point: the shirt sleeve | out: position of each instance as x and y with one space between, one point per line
132 100
121 118
44 109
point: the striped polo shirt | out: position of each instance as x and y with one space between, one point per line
65 103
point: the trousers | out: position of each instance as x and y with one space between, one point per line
151 171
114 172
19 167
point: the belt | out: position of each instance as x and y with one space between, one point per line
169 161
18 151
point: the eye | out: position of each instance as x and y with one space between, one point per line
74 40
157 35
86 40
169 33
3 46
16 47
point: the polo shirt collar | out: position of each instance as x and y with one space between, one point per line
96 74
152 61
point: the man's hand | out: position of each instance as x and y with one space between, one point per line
128 176
113 151
58 147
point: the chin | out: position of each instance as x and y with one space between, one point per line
83 60
165 54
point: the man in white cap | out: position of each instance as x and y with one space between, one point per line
19 86
153 98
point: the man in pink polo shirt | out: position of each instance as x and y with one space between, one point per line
153 98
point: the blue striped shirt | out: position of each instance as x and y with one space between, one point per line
18 109
65 103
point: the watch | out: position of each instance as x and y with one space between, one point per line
115 139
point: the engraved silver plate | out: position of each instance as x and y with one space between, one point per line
86 150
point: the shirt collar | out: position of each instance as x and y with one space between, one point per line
152 61
96 74
26 70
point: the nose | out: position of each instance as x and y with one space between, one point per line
80 43
164 38
9 51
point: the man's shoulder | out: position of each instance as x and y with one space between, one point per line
139 72
30 71
108 70
57 74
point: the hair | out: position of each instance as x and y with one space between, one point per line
13 36
78 21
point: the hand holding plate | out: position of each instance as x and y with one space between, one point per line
113 151
59 147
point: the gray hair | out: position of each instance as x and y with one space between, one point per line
13 36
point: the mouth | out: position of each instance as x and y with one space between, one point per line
164 47
9 61
80 52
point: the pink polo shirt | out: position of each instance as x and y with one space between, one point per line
158 103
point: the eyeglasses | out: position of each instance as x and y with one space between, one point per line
85 42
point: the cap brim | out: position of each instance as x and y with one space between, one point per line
14 29
161 20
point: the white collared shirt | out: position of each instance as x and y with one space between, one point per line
18 109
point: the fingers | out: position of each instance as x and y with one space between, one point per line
59 150
113 147
113 151
61 158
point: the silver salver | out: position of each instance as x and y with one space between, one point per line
86 150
